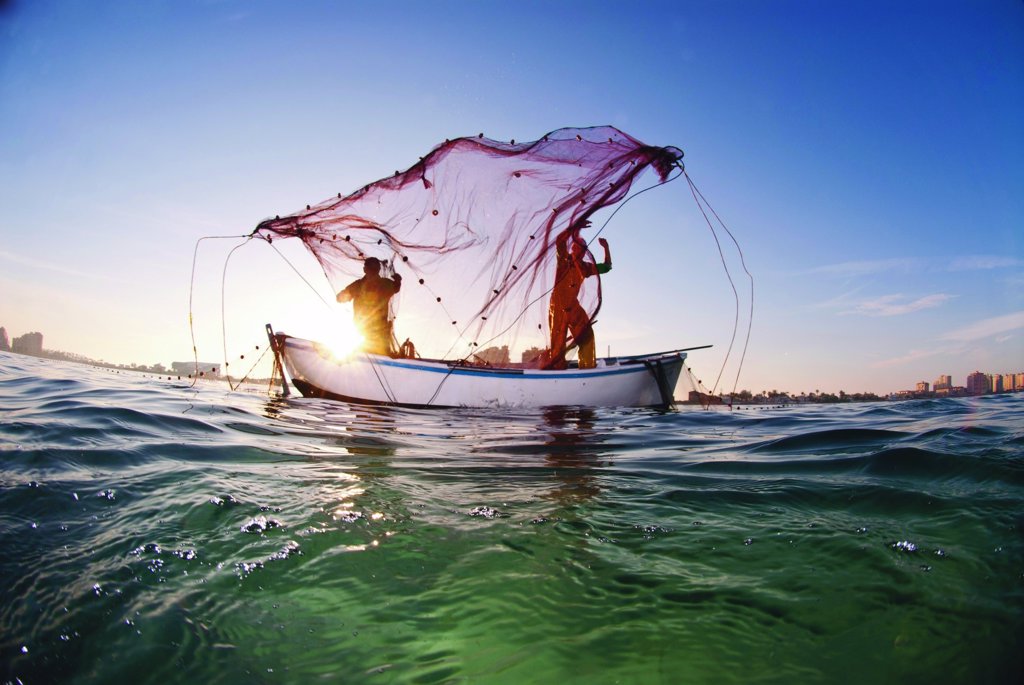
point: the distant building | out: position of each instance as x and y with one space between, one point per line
189 368
5 344
977 384
496 356
533 357
695 397
922 386
943 382
30 343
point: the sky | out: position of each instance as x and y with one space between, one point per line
868 158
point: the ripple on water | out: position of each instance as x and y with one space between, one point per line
156 533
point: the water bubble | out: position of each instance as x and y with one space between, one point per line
904 546
485 512
651 530
940 553
186 554
24 649
221 501
107 495
748 541
347 516
259 524
244 568
289 549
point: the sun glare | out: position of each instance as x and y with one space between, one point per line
345 339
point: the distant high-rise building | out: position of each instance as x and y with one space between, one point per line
496 356
30 343
533 356
996 384
943 382
977 383
922 386
5 344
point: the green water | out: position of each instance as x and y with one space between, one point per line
156 533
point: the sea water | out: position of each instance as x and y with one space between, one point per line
156 532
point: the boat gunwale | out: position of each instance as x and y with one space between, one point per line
634 364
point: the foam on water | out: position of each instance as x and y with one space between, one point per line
155 532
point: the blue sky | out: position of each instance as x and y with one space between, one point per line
867 156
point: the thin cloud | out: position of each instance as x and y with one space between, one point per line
39 264
897 305
912 356
867 267
983 262
987 328
839 301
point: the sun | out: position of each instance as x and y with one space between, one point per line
344 339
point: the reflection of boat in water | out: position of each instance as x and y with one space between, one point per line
638 381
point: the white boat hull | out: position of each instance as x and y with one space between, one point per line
633 382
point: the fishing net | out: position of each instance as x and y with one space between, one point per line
472 228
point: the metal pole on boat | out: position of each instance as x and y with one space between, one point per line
275 345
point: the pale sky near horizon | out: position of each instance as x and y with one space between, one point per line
868 157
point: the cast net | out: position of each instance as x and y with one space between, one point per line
473 228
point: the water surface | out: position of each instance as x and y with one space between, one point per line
154 532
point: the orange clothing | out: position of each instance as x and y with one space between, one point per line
565 313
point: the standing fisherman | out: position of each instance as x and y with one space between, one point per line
565 314
371 297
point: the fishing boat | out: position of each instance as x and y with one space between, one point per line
491 240
635 381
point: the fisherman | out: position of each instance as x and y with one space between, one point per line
565 314
371 297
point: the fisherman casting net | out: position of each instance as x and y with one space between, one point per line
473 229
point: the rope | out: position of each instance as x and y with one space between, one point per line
750 277
383 382
299 274
699 199
191 290
223 313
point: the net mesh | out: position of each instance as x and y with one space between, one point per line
472 228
